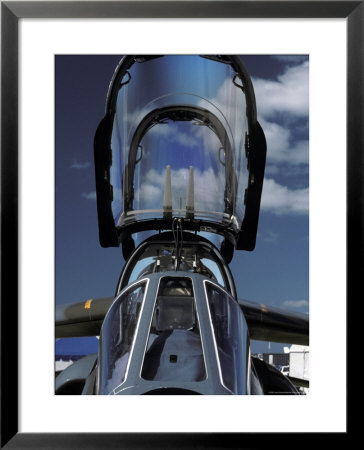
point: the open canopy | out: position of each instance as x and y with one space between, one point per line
179 139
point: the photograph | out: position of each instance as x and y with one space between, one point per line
181 224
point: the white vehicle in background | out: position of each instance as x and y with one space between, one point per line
285 370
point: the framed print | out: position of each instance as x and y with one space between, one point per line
41 42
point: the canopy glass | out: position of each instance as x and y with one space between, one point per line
178 142
118 336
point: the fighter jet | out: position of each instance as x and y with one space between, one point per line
179 164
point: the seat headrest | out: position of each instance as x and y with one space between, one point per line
175 313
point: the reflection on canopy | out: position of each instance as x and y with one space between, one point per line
173 114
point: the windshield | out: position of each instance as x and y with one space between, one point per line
178 142
117 337
229 337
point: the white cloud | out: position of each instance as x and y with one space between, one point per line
228 104
295 303
288 94
80 166
279 146
268 236
89 195
283 112
280 200
173 134
151 196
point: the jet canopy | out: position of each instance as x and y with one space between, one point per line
179 140
173 332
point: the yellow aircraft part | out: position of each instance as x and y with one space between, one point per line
88 304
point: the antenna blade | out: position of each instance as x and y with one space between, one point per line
190 202
167 200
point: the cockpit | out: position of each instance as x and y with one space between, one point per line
174 350
163 253
184 331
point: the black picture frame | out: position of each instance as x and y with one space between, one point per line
11 12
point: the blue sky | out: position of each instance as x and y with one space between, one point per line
275 273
